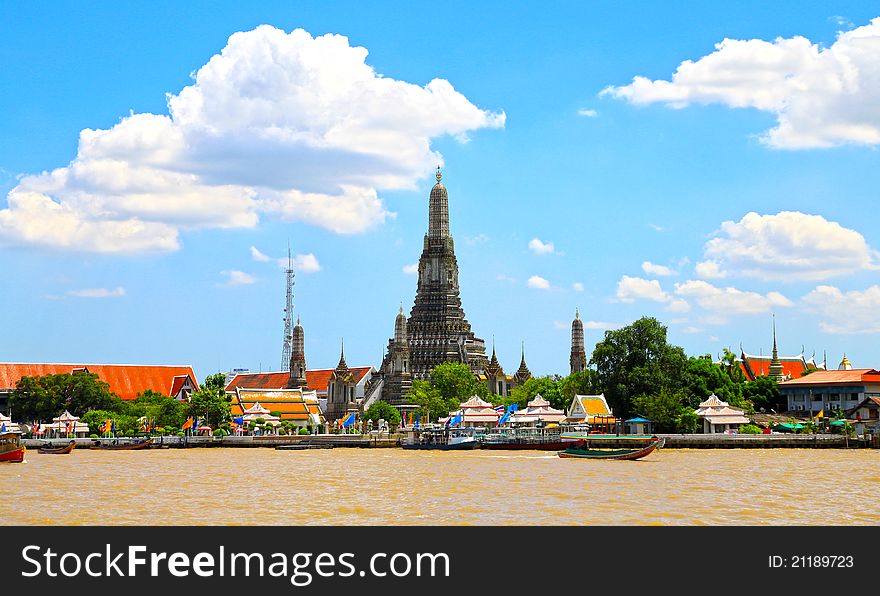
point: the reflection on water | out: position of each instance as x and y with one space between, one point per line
391 486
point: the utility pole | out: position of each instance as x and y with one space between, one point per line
288 315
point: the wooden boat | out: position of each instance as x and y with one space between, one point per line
443 438
57 449
581 449
115 444
11 449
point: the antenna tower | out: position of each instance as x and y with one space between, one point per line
288 315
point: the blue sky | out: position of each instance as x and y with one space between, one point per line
710 195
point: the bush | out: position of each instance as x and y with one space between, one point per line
181 434
750 429
93 436
220 432
303 431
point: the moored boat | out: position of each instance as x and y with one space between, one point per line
11 449
124 445
539 439
57 449
442 438
582 449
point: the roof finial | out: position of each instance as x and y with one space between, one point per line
775 352
297 320
439 175
401 307
577 314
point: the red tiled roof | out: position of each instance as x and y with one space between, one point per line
758 366
316 379
125 380
836 377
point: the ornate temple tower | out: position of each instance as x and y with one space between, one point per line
775 369
398 376
437 328
578 358
495 377
523 373
297 379
340 390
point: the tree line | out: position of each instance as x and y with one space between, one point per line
638 370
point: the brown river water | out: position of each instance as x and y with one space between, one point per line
227 486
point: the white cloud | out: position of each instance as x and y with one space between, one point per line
658 228
259 256
691 329
577 286
237 278
307 263
654 269
505 278
411 269
630 289
602 325
729 300
478 239
853 312
709 270
117 292
541 248
538 283
281 124
820 96
587 113
679 306
787 246
561 325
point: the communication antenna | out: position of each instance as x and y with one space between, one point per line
288 315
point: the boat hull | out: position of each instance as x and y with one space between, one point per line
13 456
619 454
454 447
548 446
63 450
123 446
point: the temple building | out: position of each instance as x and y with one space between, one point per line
125 380
396 366
284 405
578 359
341 396
498 382
437 329
783 368
297 378
719 416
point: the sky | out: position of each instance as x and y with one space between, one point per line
713 165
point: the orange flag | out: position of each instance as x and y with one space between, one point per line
187 424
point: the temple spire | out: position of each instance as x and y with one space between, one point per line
438 210
775 369
342 365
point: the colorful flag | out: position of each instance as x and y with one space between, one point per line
2 427
453 420
348 421
112 426
187 424
239 420
416 425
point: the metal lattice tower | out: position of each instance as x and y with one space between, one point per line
288 315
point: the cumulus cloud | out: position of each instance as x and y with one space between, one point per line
577 286
538 282
279 124
853 312
709 270
117 292
730 300
478 239
587 113
787 246
541 248
412 269
237 278
654 269
259 256
602 325
820 96
630 289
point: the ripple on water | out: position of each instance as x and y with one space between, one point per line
389 486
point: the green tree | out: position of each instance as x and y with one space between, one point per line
668 409
579 383
547 387
704 378
382 409
43 398
637 361
763 393
210 403
431 404
456 383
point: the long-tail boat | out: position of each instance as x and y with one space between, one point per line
57 449
582 449
115 444
11 449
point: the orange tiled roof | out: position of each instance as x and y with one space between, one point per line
758 366
125 380
835 377
593 406
289 405
317 379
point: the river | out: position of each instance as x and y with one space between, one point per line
227 486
